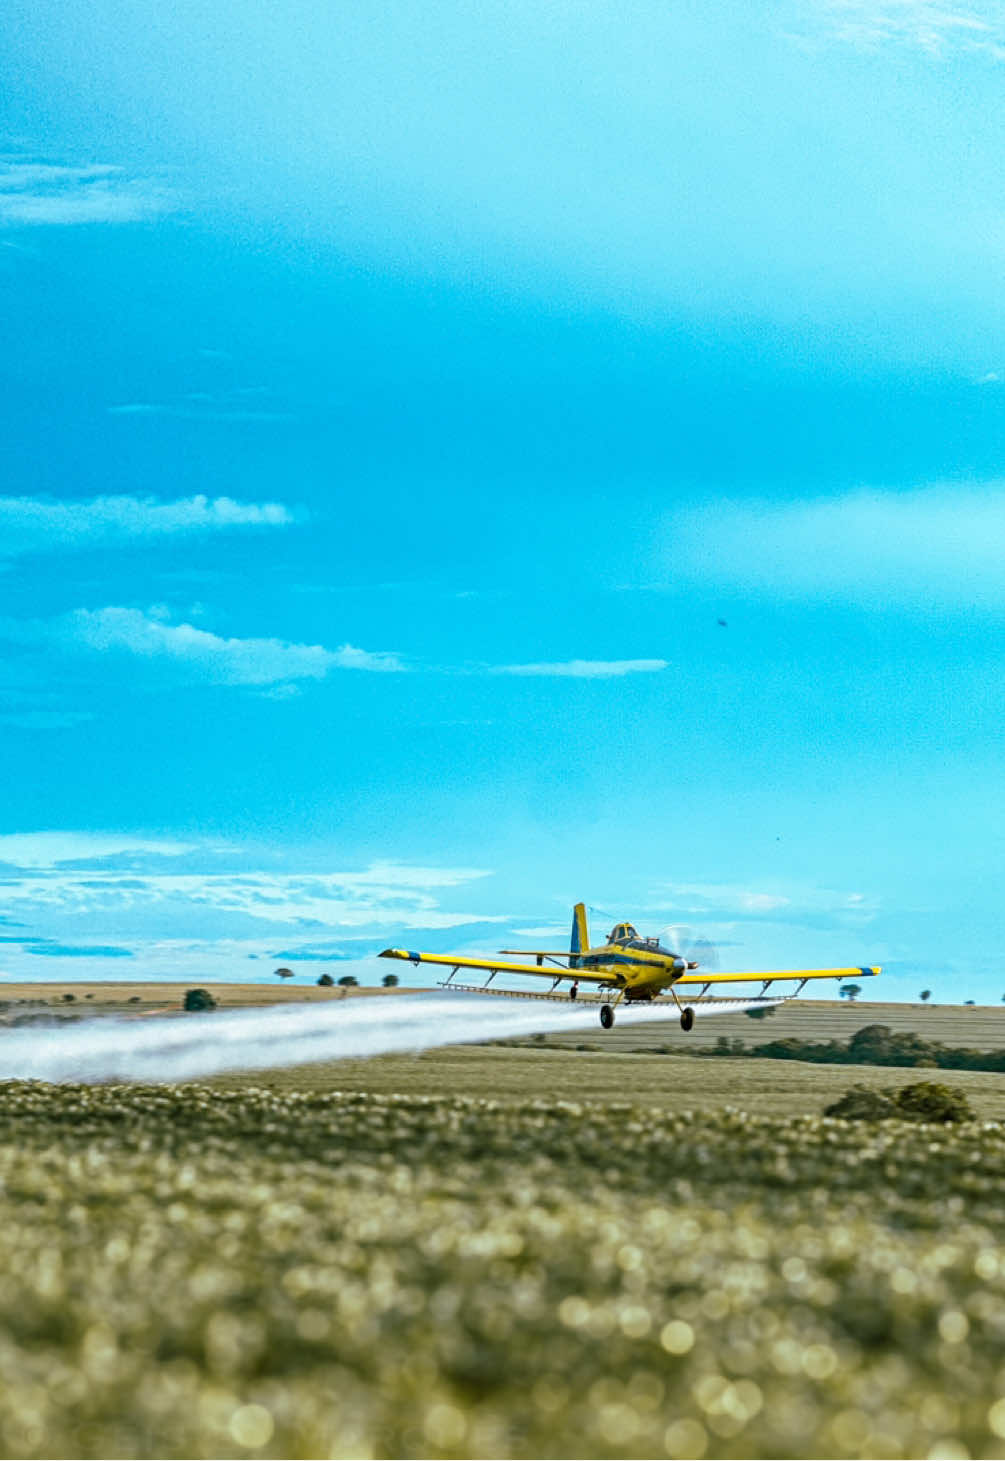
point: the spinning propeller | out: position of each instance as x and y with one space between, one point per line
690 946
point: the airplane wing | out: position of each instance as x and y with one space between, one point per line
541 953
856 973
493 966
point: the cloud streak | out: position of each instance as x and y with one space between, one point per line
209 657
940 546
925 25
41 193
34 525
585 669
272 666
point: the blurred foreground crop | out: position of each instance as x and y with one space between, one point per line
200 1272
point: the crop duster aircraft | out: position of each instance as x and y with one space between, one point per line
626 967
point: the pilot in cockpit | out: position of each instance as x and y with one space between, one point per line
622 933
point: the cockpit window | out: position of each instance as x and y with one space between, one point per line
623 933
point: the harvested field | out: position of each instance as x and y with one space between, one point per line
816 1019
122 997
654 1082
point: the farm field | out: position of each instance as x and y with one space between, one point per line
655 1083
144 996
818 1019
216 1272
505 1250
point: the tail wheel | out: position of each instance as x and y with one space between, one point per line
687 1018
606 1016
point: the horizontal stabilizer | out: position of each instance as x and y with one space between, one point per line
491 966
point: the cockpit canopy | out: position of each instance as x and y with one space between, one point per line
623 933
627 936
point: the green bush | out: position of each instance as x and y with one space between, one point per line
390 981
863 1103
326 981
199 999
928 1101
924 1101
349 981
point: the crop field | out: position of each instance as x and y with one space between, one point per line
654 1083
227 1270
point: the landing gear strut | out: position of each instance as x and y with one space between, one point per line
606 1016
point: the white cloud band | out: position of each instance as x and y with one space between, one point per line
33 525
37 193
210 657
941 546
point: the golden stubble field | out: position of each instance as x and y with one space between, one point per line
496 1251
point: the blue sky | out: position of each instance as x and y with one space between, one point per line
459 460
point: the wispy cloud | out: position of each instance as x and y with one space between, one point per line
941 546
227 406
274 667
42 193
139 887
925 25
210 657
585 669
50 850
37 525
731 902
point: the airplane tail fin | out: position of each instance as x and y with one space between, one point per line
580 942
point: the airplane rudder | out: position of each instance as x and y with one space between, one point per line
580 940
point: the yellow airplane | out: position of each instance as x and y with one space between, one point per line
630 967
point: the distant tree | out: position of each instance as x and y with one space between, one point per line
926 995
284 973
969 1001
389 981
326 981
349 981
760 1012
199 999
850 991
69 998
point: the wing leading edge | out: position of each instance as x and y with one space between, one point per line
859 972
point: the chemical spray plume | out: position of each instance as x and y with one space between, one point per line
191 1046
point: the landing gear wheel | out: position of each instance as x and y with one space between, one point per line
606 1016
687 1018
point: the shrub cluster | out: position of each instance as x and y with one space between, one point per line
198 1271
872 1045
925 1101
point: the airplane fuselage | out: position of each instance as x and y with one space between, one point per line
641 967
